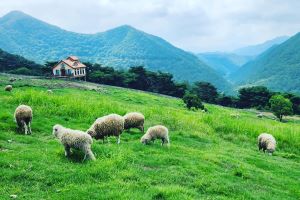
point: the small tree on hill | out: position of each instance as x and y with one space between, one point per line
280 106
192 101
205 91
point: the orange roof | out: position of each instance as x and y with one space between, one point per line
73 58
71 61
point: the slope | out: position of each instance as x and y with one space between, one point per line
212 155
278 68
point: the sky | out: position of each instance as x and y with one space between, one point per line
193 25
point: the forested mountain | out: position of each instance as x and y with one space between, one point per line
278 68
121 47
17 64
255 50
224 63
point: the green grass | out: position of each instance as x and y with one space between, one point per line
212 155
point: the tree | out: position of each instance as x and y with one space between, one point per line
205 91
280 106
254 96
192 100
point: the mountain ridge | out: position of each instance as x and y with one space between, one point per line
121 47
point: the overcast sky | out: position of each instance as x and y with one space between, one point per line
194 25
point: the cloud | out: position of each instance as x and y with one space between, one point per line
194 25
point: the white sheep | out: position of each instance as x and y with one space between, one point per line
8 88
74 139
266 142
134 120
49 91
156 132
23 117
260 115
109 125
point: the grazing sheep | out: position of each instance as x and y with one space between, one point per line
12 79
8 88
156 132
109 125
266 142
259 115
134 120
49 91
23 117
74 139
235 115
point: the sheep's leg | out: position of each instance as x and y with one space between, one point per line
67 151
25 127
162 141
141 128
119 139
29 128
89 154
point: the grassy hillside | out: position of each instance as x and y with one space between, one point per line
212 155
121 47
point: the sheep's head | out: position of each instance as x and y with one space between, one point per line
271 148
91 132
145 139
57 130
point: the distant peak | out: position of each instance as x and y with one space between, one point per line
126 27
16 13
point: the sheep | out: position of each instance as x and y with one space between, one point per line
12 79
134 120
266 142
109 125
8 88
235 115
49 91
259 115
156 132
23 117
74 139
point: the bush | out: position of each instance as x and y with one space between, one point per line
280 106
192 101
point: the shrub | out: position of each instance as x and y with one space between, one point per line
192 101
280 106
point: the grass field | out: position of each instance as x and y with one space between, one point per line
212 155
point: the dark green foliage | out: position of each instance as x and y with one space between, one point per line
17 64
227 101
205 91
281 106
192 101
254 96
136 78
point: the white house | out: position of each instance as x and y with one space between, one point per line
69 68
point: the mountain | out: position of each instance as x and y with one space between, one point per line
17 64
278 68
255 50
224 63
121 47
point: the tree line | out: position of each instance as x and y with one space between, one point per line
193 95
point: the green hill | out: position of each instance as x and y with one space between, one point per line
212 155
255 50
224 63
278 68
17 64
121 47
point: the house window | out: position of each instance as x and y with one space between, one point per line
75 72
69 71
57 72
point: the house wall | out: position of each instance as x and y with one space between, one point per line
59 66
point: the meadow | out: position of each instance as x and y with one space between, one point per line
212 155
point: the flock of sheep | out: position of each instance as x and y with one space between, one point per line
111 125
103 127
